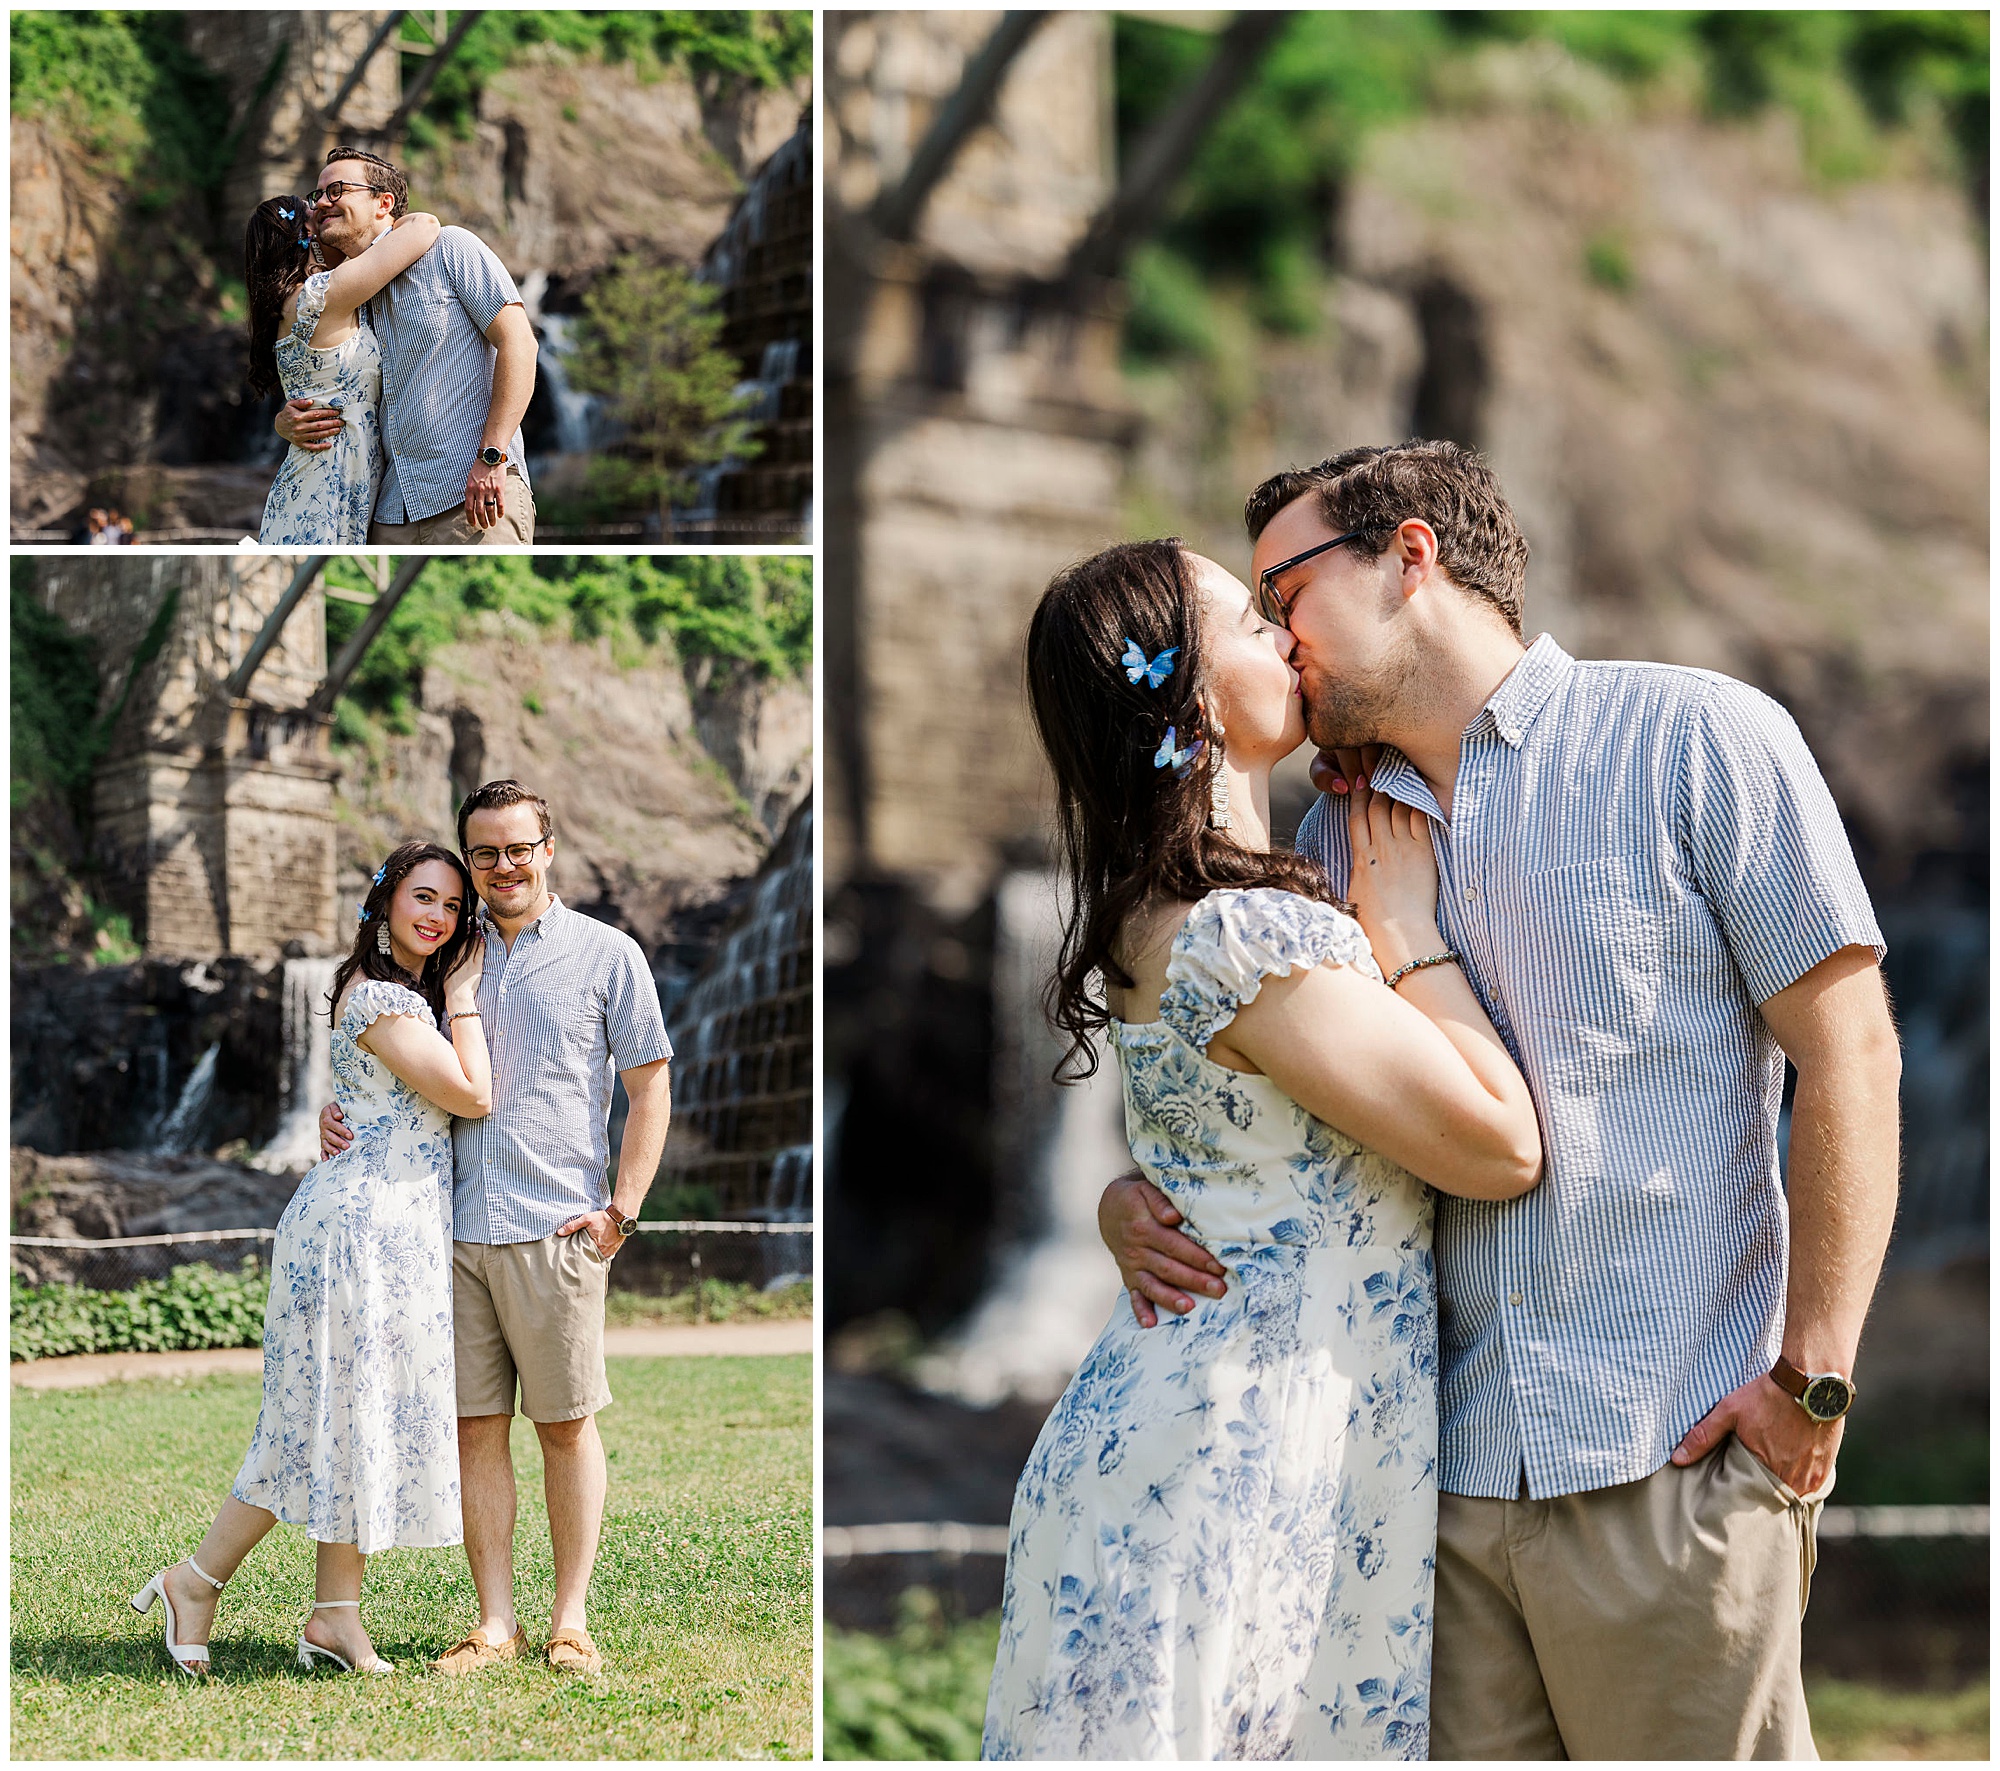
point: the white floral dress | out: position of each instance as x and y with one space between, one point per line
324 498
1222 1545
357 1440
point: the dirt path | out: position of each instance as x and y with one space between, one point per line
732 1339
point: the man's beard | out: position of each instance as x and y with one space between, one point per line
1345 715
334 236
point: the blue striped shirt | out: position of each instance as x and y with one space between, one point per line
1637 856
569 1008
437 374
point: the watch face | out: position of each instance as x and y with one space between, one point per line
490 456
1827 1398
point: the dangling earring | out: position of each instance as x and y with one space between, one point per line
1218 784
382 938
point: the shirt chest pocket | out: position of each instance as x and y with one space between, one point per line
1598 950
419 319
576 1027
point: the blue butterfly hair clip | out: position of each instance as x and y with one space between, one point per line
289 214
363 912
1167 757
1137 665
305 240
378 874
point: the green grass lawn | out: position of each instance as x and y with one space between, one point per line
920 1693
701 1601
1865 1722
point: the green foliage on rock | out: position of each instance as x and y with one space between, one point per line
130 92
53 691
755 613
650 341
754 48
917 1694
1255 212
190 1308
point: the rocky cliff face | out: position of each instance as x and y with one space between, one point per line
1741 415
571 165
665 797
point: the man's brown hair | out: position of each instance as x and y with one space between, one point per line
495 796
382 176
1480 546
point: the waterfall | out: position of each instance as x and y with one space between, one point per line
308 1075
1056 1284
583 424
789 1199
743 1059
764 393
177 1137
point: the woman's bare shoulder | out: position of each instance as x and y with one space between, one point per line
1143 946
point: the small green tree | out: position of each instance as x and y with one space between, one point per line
648 342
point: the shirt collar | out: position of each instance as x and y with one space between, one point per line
1510 710
1403 782
554 913
1512 707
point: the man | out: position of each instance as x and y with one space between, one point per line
565 1000
458 370
1646 882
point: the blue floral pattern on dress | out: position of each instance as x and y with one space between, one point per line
324 498
358 1436
1222 1545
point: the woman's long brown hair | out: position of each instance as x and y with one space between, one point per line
367 958
277 258
1130 832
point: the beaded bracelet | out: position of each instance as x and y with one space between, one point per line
1416 965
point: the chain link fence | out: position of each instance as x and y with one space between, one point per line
664 1258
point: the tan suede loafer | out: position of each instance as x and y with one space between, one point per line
476 1652
571 1651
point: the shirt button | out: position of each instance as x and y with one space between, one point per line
1514 1297
1471 892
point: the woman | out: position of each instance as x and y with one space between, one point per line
1222 1543
309 336
357 1438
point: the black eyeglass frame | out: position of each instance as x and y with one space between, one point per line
1268 604
527 854
341 186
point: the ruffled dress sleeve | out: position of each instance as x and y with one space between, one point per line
312 303
373 998
1233 940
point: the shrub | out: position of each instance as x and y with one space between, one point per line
192 1307
919 1694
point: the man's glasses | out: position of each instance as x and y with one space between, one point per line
332 193
518 854
1278 609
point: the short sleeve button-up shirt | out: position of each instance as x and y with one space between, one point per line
571 1006
437 374
1638 855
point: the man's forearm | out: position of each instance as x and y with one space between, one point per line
513 388
645 1138
1841 1186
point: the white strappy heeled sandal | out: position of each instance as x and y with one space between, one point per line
190 1657
310 1653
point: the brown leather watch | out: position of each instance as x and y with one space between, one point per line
1825 1395
623 1225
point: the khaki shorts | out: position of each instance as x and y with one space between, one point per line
532 1312
1655 1620
449 528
